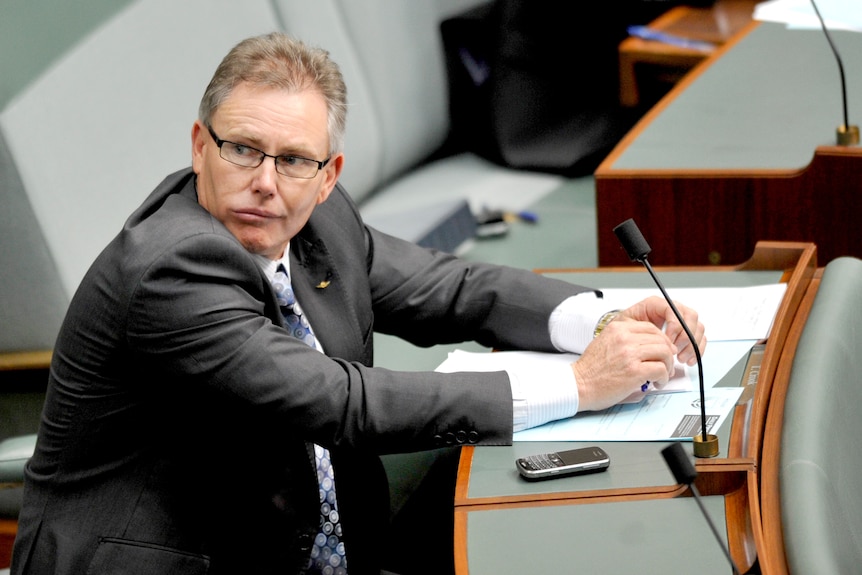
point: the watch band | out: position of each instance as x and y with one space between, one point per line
604 321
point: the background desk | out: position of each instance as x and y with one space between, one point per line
740 151
648 67
632 514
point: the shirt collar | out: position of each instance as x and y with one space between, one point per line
269 267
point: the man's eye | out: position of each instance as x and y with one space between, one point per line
240 150
289 160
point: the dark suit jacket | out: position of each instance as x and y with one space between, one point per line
175 435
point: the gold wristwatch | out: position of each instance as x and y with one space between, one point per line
604 321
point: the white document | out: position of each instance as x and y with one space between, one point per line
665 417
727 313
799 14
525 361
659 414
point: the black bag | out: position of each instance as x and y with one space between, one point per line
535 84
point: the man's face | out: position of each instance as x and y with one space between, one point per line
261 207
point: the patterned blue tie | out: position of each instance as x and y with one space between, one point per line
327 553
297 325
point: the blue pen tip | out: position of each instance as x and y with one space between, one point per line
528 217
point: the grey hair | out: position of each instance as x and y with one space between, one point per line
278 61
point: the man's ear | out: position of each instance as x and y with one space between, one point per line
331 172
199 135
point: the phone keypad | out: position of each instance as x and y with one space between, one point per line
537 462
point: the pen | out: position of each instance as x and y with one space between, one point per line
524 216
649 34
530 217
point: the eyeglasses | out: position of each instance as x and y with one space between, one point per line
248 157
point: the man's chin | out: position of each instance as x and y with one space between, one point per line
258 241
259 246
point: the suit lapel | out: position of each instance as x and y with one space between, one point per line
323 295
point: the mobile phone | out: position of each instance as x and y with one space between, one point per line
562 463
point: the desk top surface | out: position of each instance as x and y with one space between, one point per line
652 536
633 464
766 103
640 524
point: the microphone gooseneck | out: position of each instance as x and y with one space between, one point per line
847 135
685 474
637 249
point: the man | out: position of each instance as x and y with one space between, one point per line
185 430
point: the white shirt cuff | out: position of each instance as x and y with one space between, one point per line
573 322
542 395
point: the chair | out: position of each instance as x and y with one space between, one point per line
812 505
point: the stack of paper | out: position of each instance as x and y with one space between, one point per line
735 319
800 14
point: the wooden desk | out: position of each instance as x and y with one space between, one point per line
772 556
741 150
8 530
489 493
666 63
24 360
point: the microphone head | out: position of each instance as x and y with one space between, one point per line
678 462
632 240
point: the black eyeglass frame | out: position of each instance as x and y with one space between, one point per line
263 155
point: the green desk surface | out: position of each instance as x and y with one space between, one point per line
633 464
766 103
661 536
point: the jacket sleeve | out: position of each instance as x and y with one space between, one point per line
201 312
429 297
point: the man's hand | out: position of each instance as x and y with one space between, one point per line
657 311
634 349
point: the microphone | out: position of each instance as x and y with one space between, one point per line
684 473
637 249
847 135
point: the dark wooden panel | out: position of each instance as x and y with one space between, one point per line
716 217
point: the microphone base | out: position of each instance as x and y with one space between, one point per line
705 447
848 135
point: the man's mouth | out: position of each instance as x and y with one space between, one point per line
253 215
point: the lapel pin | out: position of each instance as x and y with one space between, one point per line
322 285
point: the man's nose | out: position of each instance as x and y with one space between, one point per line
266 177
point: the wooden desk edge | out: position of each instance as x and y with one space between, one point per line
799 276
766 507
745 532
680 87
719 476
767 256
24 360
820 154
